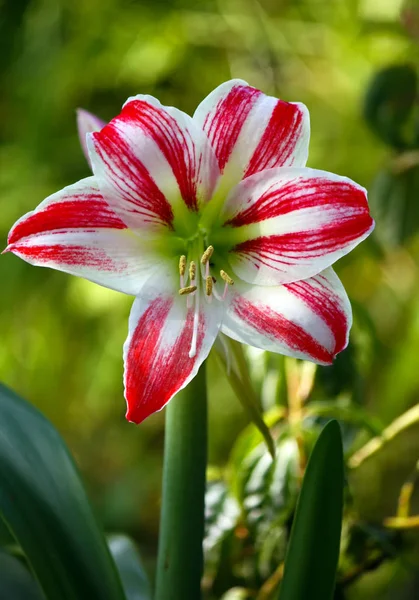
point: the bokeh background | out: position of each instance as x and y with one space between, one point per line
61 337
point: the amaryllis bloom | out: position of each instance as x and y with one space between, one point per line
213 223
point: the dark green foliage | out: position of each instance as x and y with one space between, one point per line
394 201
389 99
45 506
16 582
127 559
313 550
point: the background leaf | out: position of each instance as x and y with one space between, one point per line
131 570
16 583
43 501
388 102
313 551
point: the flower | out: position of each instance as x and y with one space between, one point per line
213 223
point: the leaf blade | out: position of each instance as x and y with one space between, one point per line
15 580
130 567
43 502
313 551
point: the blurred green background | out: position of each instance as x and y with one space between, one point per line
61 337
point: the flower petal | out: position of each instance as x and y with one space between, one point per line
87 123
156 353
76 231
308 319
251 132
154 165
289 224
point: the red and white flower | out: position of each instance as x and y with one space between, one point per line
213 223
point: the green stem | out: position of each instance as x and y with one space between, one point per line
180 557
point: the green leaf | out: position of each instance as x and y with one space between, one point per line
313 550
390 98
393 201
16 583
43 501
132 573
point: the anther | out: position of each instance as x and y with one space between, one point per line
192 270
187 290
182 264
226 277
208 285
207 255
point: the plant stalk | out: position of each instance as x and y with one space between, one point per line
180 555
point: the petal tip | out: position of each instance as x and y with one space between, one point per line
12 245
326 359
135 416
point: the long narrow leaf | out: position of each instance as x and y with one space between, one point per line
313 551
44 504
133 575
16 583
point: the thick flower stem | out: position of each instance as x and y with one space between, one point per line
180 557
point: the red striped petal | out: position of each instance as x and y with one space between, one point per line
76 231
156 353
282 135
326 298
225 122
83 208
250 131
309 319
289 224
153 164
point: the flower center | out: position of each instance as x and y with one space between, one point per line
191 280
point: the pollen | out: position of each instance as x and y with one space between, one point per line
226 277
190 289
207 255
192 270
208 285
182 264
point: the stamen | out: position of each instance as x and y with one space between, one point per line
226 278
192 270
187 290
207 255
208 285
182 265
182 269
